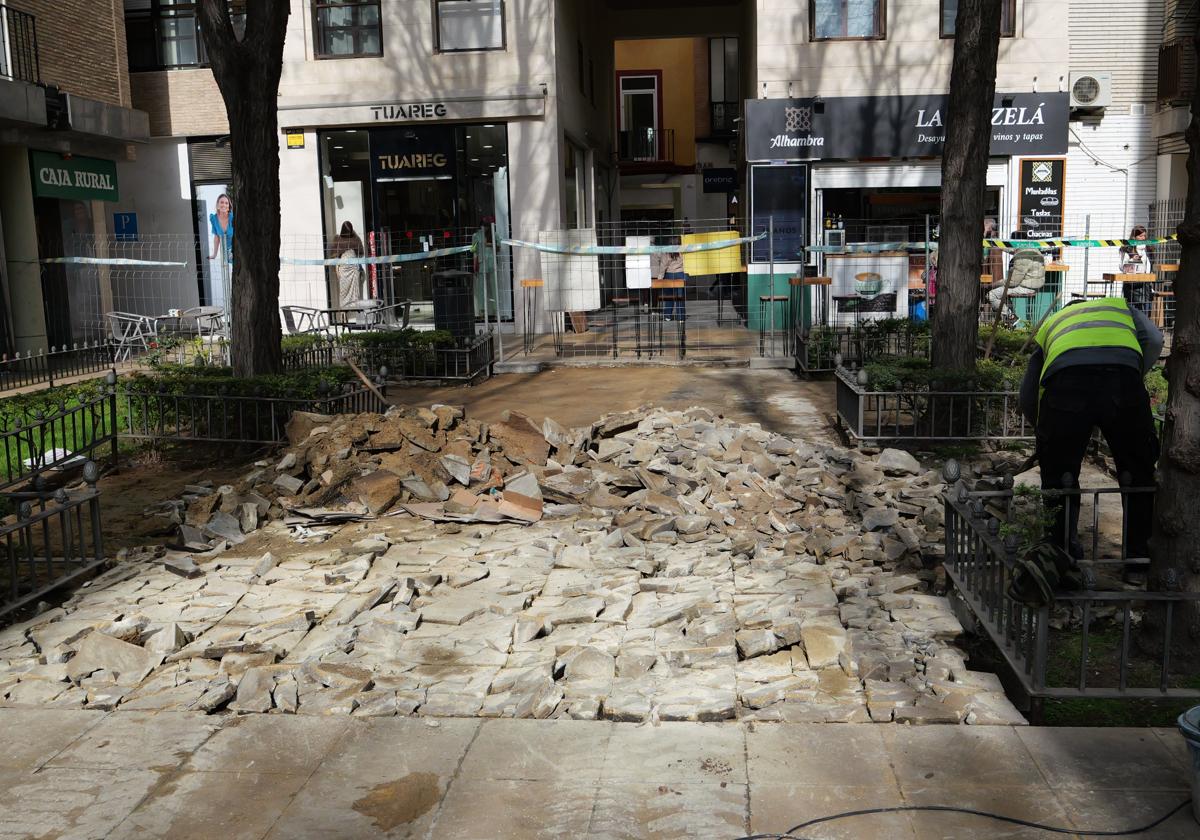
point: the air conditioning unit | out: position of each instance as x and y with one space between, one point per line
1091 90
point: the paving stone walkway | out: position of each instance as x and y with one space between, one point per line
673 565
78 774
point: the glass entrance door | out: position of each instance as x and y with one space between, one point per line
639 118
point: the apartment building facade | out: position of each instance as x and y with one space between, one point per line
1176 84
408 119
843 135
67 128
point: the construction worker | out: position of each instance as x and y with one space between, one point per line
1088 371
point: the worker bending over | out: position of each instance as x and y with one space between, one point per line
1088 370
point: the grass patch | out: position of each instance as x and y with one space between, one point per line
1104 652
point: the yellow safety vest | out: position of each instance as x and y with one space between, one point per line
1106 322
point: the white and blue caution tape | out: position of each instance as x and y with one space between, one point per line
389 259
632 250
111 261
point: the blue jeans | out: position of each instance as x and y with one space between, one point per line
673 299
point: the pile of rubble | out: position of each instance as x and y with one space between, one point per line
656 565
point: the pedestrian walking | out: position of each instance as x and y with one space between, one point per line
1133 261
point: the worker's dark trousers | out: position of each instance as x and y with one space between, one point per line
1076 400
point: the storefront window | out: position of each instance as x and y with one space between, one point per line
344 28
1008 18
469 25
408 188
836 19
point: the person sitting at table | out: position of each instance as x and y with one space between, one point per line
1026 275
1137 295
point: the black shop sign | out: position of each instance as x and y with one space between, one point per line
1041 203
851 127
405 154
720 180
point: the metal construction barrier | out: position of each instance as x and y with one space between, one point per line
980 561
467 360
75 432
927 415
694 289
52 539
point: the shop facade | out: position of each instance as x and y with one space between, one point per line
829 173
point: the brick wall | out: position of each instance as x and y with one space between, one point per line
181 103
81 46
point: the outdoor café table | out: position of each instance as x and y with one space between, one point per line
348 317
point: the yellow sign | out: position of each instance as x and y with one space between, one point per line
295 139
720 261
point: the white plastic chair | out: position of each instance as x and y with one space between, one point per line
301 320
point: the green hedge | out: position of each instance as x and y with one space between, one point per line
213 381
915 374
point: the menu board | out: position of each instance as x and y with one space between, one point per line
1040 208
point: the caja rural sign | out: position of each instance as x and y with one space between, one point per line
854 127
73 177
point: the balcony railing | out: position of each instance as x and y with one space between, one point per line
18 46
647 145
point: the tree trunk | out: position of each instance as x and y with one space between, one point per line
247 71
1175 560
968 122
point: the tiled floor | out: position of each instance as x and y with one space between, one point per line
73 774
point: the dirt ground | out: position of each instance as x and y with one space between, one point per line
574 397
777 399
144 479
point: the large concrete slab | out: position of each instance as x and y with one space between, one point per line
202 806
384 778
31 737
138 741
70 803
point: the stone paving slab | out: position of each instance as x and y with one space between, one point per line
136 775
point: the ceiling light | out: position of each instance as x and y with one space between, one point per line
339 147
489 147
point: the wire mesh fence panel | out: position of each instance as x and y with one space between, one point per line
450 280
1165 218
649 289
122 291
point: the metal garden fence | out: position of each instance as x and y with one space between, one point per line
74 432
230 418
927 415
52 539
980 561
824 349
58 364
466 361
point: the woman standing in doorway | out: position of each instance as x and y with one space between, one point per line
347 246
222 229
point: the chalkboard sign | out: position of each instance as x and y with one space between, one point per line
779 202
1040 208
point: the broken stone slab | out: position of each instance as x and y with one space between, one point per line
128 664
876 518
378 490
182 565
824 641
897 462
290 485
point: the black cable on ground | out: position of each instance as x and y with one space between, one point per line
790 834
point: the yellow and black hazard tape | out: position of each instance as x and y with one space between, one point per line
1075 243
